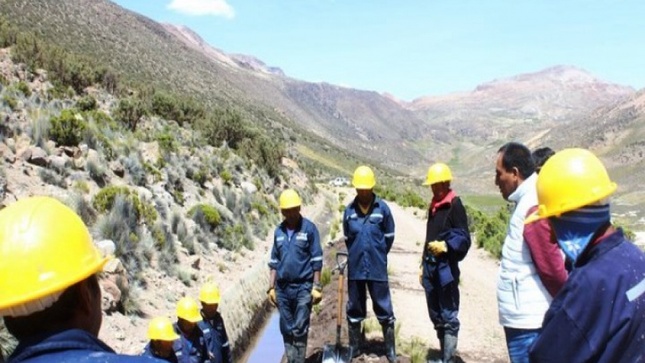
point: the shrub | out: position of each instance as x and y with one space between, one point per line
87 103
104 200
226 176
96 171
23 88
129 111
166 142
52 178
206 216
67 128
10 101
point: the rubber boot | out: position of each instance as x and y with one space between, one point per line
449 348
390 344
290 350
354 332
300 350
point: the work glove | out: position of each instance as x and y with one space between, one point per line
271 294
421 276
316 294
437 247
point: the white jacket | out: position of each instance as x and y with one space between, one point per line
521 297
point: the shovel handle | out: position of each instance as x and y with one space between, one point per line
341 263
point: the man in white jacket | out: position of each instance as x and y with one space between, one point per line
532 267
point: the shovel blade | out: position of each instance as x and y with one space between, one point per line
333 353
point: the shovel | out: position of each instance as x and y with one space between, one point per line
336 353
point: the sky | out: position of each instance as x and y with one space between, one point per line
414 48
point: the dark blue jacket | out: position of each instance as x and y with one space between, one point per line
217 344
599 315
147 352
369 238
193 347
71 346
296 259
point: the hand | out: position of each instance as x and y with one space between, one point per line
272 299
316 294
437 247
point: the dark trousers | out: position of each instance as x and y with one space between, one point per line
294 305
443 307
381 300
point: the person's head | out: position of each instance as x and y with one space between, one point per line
364 181
514 165
162 335
540 156
290 204
438 178
209 297
572 190
48 271
187 315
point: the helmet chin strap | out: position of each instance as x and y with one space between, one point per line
575 230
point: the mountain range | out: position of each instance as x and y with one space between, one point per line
561 106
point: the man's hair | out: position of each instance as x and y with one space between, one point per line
540 156
516 155
58 316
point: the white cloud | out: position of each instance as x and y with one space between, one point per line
202 7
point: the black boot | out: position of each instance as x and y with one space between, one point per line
390 344
354 332
449 347
290 350
300 349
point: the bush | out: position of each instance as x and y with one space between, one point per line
489 231
67 128
87 103
10 101
206 216
129 111
23 88
104 200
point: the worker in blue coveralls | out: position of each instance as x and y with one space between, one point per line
164 342
295 264
599 314
447 242
368 227
50 296
193 345
212 325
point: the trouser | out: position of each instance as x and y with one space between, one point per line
518 342
443 307
357 301
294 305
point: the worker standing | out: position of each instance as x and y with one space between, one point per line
193 346
296 261
447 242
368 227
599 315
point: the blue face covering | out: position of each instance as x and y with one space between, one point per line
574 230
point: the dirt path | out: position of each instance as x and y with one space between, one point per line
481 337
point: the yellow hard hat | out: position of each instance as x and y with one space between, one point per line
289 199
45 248
188 309
363 178
570 179
209 293
438 172
160 328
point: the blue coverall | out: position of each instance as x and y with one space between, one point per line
216 338
71 346
369 238
599 315
295 258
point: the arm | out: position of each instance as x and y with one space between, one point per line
316 252
546 255
388 222
459 240
273 262
227 356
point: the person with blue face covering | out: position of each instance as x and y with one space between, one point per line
599 315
